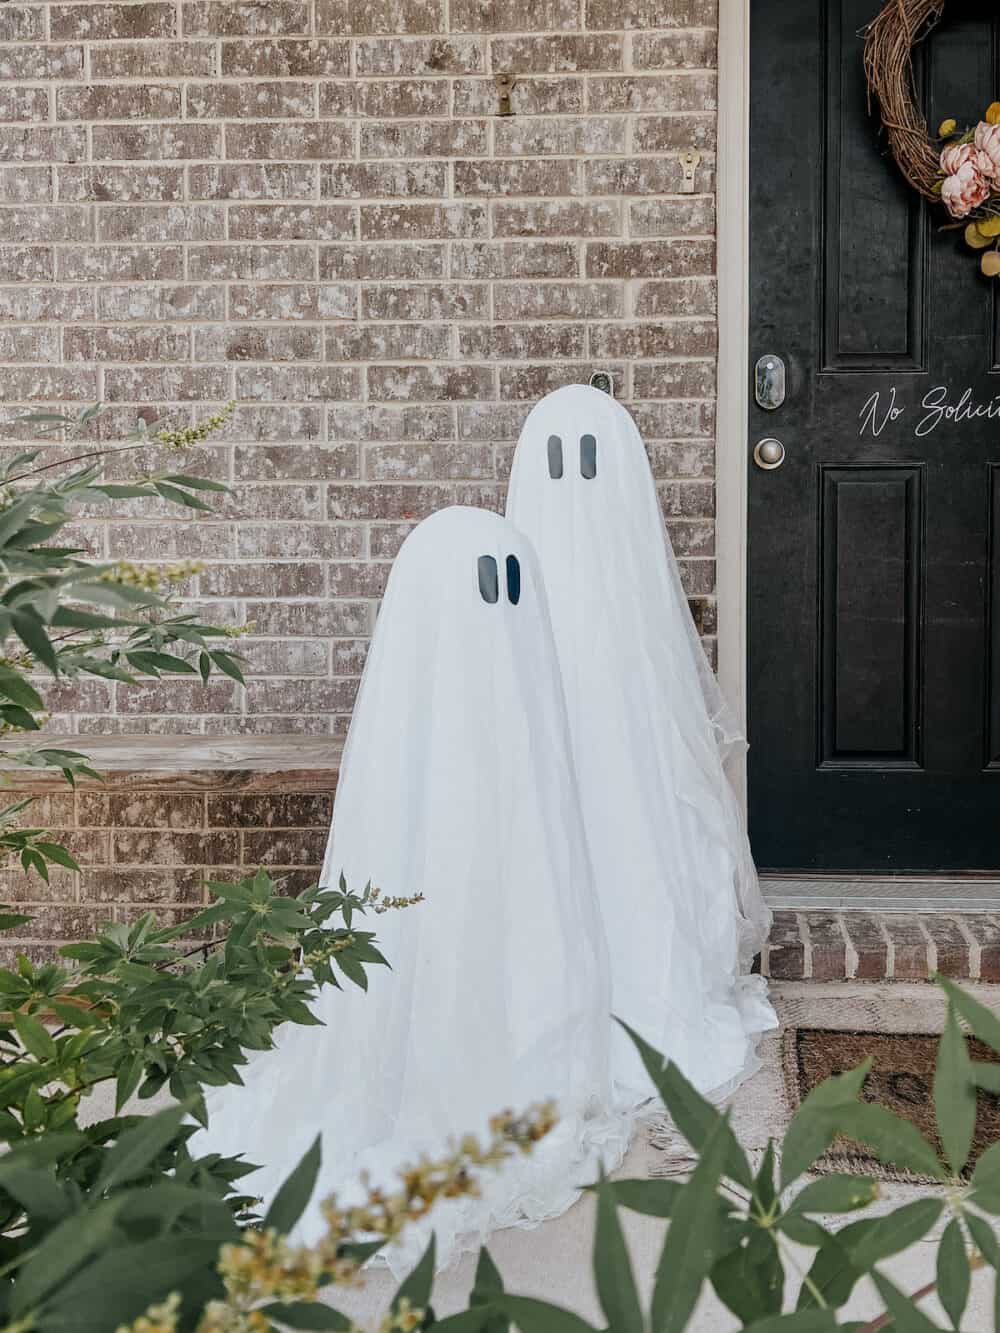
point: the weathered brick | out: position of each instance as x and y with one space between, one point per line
29 344
673 93
299 383
264 422
382 262
296 462
540 177
651 13
24 104
420 55
170 384
508 342
676 296
670 134
425 301
690 48
388 342
237 342
384 97
366 180
644 175
41 61
249 101
110 101
26 185
558 300
516 259
650 259
120 185
45 304
39 143
26 263
431 383
675 337
402 501
672 217
380 421
301 578
674 379
160 222
575 136
288 142
514 15
102 22
288 57
786 955
909 947
126 342
153 60
156 142
291 222
429 462
558 218
185 301
534 381
300 541
261 263
558 53
252 180
59 222
119 263
529 97
422 221
363 17
242 18
22 23
422 138
281 301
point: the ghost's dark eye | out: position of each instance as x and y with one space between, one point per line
588 456
513 580
489 582
555 457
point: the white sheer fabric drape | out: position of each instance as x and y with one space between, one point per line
457 783
650 730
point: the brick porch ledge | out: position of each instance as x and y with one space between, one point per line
882 946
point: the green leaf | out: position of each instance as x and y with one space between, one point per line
228 665
488 1282
613 1276
308 1314
417 1287
895 1231
121 1283
533 1316
764 1193
62 1251
129 1077
655 1198
30 630
954 1094
35 1039
59 855
14 686
154 662
984 1238
138 1147
811 1131
745 1287
802 1321
693 1238
178 497
953 1275
843 1259
895 1141
834 1194
196 483
984 1023
291 1199
906 1318
696 1118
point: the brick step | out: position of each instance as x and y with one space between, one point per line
819 945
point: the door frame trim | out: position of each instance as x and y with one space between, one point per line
732 184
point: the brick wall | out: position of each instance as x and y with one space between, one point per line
147 841
311 206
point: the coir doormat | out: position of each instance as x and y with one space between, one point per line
901 1079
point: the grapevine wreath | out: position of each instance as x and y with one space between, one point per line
959 169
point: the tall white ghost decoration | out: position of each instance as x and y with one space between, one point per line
677 886
457 783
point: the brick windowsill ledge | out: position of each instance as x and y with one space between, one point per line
882 946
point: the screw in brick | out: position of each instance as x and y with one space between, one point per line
505 85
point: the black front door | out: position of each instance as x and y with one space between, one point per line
874 559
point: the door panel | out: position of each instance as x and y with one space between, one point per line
874 565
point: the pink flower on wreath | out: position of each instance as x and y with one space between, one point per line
965 185
987 143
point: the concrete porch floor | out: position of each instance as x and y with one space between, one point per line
553 1262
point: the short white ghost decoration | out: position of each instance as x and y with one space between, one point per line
457 783
676 883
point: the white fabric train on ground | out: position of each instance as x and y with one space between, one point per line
457 782
676 882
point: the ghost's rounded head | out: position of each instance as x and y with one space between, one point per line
579 435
